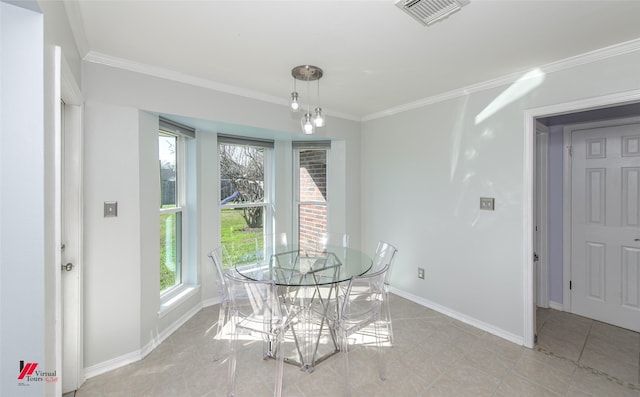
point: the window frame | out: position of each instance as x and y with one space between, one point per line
180 207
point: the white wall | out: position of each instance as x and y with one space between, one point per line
112 246
207 144
121 298
439 162
22 199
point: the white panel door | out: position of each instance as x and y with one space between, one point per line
605 251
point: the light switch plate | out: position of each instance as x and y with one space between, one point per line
487 203
110 209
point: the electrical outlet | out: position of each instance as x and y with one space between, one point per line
421 273
487 203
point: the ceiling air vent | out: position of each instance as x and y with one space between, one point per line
430 11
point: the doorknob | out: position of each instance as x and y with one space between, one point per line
67 267
636 239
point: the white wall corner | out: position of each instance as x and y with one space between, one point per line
125 359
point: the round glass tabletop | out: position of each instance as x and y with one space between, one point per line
291 266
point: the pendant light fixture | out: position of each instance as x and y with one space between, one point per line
309 121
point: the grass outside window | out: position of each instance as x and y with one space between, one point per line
243 244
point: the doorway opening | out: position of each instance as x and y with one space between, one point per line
611 106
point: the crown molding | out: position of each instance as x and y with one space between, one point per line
589 57
168 74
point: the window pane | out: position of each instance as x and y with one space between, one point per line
242 182
242 242
313 175
241 174
312 220
312 195
167 146
170 250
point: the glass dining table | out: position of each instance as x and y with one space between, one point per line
309 283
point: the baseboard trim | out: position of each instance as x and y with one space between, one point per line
155 342
114 363
519 340
125 359
211 301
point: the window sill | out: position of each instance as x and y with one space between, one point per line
176 297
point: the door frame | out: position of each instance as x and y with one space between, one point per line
529 147
68 91
542 215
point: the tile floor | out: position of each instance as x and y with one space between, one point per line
434 355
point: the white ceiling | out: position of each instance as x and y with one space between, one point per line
375 57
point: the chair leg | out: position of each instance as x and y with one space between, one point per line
223 315
231 373
380 347
279 365
387 309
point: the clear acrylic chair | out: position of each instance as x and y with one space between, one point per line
384 256
221 264
255 308
361 306
329 244
272 243
333 240
265 245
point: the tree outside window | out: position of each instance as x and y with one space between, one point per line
243 206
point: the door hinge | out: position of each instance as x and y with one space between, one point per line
535 257
570 151
570 284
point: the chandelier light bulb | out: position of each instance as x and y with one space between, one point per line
295 105
319 119
307 124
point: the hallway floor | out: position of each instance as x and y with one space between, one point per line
434 355
590 344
